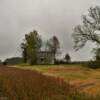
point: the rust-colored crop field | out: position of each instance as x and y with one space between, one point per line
85 79
19 84
46 83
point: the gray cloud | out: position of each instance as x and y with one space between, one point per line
49 17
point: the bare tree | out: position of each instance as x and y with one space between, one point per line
53 45
89 30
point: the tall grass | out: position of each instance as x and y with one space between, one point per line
18 84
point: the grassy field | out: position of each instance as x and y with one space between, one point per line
85 79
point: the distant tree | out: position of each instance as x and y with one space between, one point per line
53 45
97 54
67 58
13 61
0 61
31 46
95 63
24 52
89 30
4 63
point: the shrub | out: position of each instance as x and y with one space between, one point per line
94 64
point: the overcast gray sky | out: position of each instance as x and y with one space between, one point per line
48 17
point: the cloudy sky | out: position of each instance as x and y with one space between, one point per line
48 17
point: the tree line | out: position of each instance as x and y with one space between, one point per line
33 43
89 30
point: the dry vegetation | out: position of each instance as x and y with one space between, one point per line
85 79
18 84
42 83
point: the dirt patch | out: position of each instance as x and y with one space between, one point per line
63 69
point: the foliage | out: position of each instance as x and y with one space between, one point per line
24 52
53 45
67 58
93 64
96 51
31 46
13 61
89 30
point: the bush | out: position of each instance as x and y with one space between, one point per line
94 64
4 63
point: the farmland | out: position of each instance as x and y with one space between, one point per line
19 84
48 82
85 79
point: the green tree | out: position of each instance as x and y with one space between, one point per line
24 52
67 58
89 30
53 45
31 46
95 63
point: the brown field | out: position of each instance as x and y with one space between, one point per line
19 84
85 79
42 82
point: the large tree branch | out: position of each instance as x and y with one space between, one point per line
89 30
